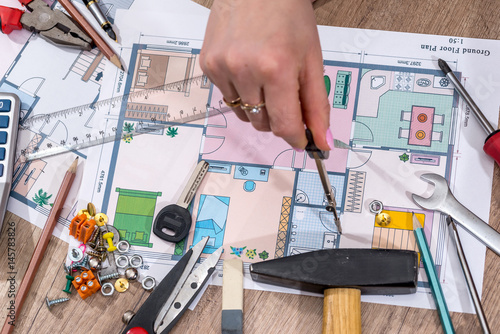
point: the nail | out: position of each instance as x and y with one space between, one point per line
299 150
329 139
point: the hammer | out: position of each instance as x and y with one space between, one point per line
342 275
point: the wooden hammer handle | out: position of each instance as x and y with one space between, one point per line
342 311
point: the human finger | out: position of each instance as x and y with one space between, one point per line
314 101
230 95
285 116
214 67
252 98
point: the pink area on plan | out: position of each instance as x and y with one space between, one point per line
229 139
239 142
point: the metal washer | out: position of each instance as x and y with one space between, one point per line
376 207
119 259
146 280
124 243
109 286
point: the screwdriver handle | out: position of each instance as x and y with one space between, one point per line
492 146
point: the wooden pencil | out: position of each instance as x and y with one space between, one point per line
432 276
42 244
89 29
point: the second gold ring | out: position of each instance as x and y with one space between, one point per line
253 108
233 103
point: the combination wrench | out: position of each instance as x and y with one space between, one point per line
443 200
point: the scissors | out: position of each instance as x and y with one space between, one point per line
52 25
168 302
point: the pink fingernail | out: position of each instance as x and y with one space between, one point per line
329 139
299 150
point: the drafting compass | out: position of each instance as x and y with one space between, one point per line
318 155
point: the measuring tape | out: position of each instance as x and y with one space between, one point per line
156 122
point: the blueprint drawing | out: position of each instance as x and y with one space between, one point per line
47 79
261 199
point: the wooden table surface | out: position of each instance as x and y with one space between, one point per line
266 312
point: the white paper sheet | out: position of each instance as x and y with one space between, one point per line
387 55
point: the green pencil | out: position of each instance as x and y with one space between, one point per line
432 276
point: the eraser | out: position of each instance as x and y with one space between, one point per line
232 297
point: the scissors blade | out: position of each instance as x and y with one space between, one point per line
146 315
189 291
197 250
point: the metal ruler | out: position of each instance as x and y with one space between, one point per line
100 137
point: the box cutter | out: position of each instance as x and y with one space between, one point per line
168 302
52 25
318 155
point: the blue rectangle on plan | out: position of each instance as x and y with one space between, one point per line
251 173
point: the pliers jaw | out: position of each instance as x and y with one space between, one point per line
52 25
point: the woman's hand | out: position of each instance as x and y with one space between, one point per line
269 51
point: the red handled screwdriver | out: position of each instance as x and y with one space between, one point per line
492 142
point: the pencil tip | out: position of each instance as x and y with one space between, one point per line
116 61
74 165
416 222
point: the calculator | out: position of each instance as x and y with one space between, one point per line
10 106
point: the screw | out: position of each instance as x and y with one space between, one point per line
95 235
109 276
84 262
99 255
91 209
94 238
55 301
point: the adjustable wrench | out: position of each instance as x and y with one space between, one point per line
443 200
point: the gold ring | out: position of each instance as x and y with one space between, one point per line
253 108
234 103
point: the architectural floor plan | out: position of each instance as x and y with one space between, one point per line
397 121
261 199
